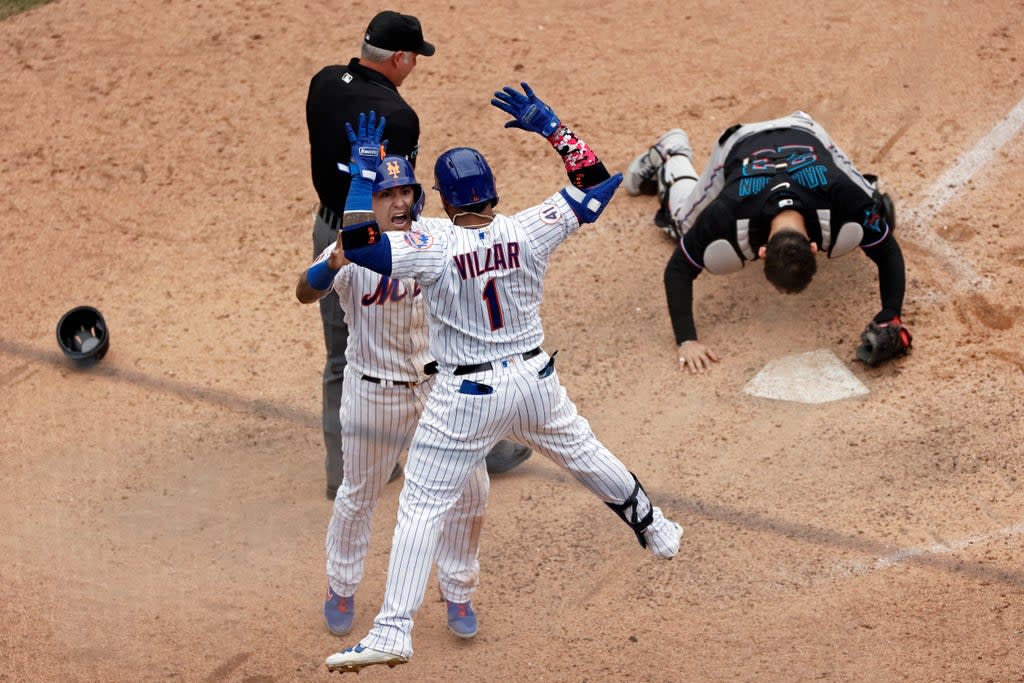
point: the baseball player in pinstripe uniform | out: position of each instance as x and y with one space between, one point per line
482 274
385 390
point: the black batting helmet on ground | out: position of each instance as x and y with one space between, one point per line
82 335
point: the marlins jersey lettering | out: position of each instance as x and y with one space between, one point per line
484 285
792 155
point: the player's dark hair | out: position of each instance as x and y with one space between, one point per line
789 263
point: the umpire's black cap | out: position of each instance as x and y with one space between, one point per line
398 32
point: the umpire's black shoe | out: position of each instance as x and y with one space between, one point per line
506 455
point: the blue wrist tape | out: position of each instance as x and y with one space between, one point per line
360 194
320 276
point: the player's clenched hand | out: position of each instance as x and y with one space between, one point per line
527 110
365 141
695 357
337 259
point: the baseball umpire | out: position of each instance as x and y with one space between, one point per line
778 191
337 94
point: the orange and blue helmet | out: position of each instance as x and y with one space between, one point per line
396 171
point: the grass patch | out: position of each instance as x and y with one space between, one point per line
11 7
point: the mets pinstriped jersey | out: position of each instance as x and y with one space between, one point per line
483 286
387 325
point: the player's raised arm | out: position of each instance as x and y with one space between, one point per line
591 185
360 235
360 229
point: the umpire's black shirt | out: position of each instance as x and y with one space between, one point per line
338 94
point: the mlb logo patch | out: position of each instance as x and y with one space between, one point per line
418 240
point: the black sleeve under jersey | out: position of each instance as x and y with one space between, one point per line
892 278
679 277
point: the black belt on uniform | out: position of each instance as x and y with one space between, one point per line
329 217
484 367
393 382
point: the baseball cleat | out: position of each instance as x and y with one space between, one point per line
461 619
505 456
339 611
641 176
664 221
359 657
663 536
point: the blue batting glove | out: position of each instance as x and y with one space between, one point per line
365 142
527 110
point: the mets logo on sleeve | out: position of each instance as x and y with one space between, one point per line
549 213
418 240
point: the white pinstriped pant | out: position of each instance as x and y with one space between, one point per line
378 422
454 436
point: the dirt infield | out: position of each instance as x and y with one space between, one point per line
163 512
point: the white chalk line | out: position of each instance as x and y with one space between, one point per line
907 554
947 187
940 193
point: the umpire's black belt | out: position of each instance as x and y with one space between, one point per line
484 367
328 216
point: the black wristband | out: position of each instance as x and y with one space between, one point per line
360 235
588 176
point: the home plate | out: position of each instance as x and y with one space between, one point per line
812 377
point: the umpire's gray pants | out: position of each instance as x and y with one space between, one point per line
335 341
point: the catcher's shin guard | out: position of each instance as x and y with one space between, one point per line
677 178
629 511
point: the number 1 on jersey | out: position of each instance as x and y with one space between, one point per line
490 297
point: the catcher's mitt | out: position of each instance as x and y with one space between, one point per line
882 341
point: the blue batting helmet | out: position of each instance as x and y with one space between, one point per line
396 171
463 177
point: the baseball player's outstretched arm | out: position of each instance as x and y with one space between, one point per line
892 278
585 170
529 113
366 150
360 236
679 276
886 336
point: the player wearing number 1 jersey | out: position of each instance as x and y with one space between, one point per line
385 390
482 276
